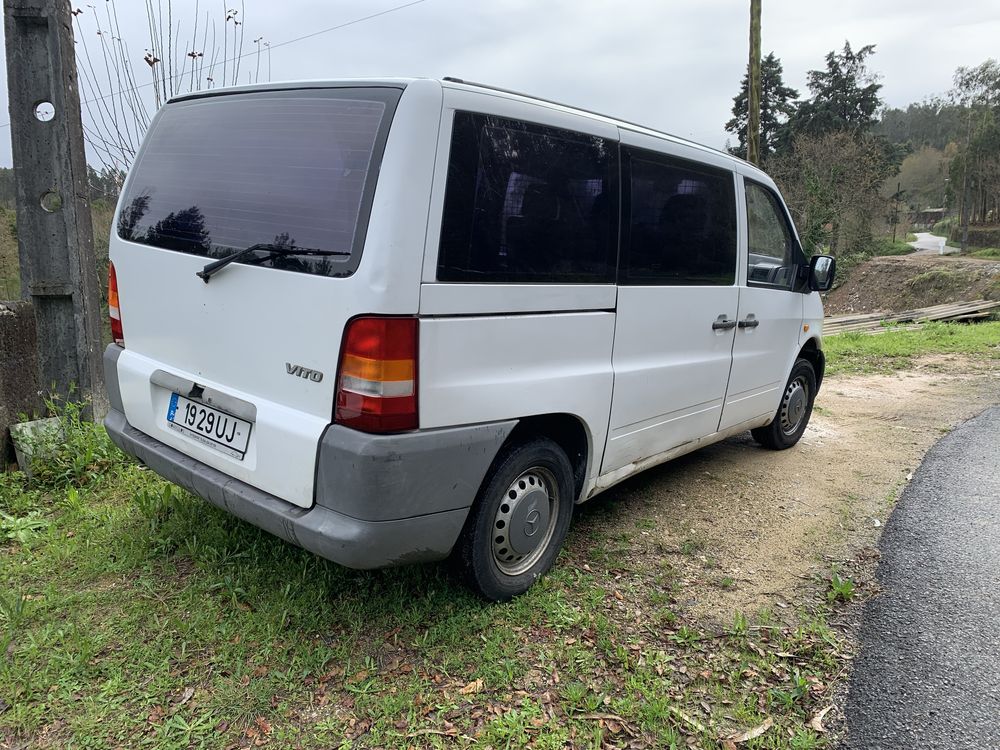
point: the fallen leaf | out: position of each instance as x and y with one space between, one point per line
263 725
359 677
155 715
619 597
751 734
816 722
222 726
728 745
473 687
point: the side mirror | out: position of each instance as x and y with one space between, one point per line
821 271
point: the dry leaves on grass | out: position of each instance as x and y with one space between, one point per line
816 722
473 687
752 734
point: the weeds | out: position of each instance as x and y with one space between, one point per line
841 589
80 455
21 529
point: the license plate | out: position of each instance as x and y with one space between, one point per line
209 426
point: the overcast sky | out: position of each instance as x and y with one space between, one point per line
671 65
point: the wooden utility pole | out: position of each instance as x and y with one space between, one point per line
753 89
55 237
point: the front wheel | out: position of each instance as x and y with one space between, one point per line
519 520
794 410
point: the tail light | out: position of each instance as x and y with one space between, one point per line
377 382
114 312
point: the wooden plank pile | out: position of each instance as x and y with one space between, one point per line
874 322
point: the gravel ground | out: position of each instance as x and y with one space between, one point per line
928 674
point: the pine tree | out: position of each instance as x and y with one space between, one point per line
776 104
844 95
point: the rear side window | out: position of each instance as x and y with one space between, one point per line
681 222
528 203
292 169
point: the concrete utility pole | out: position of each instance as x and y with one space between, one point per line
753 89
55 237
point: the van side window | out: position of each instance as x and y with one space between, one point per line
680 223
528 203
774 255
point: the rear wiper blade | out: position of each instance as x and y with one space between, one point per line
215 266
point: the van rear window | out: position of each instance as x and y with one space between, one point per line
292 169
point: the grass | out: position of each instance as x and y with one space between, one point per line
990 253
133 614
855 352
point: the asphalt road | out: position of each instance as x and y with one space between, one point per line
928 674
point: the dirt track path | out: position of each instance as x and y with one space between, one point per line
751 528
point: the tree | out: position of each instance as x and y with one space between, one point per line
776 104
922 178
832 183
934 122
977 166
844 95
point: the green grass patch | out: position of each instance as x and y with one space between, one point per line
892 350
133 614
990 253
888 247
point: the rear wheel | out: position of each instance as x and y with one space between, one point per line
519 520
794 410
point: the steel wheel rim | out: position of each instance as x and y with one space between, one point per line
516 521
794 405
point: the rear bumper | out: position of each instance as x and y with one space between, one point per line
380 500
349 541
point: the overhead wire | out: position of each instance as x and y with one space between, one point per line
273 46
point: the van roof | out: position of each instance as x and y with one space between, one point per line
458 83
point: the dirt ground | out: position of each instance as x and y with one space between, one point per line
752 529
910 281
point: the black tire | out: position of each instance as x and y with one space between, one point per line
794 411
529 491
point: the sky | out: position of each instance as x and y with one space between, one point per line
670 65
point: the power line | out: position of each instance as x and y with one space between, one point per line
273 46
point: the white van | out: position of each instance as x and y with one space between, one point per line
397 320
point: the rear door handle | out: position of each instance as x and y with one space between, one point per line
749 323
723 324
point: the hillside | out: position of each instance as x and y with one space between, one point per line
911 281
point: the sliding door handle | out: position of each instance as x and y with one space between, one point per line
723 324
749 323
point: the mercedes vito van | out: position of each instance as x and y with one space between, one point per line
401 320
